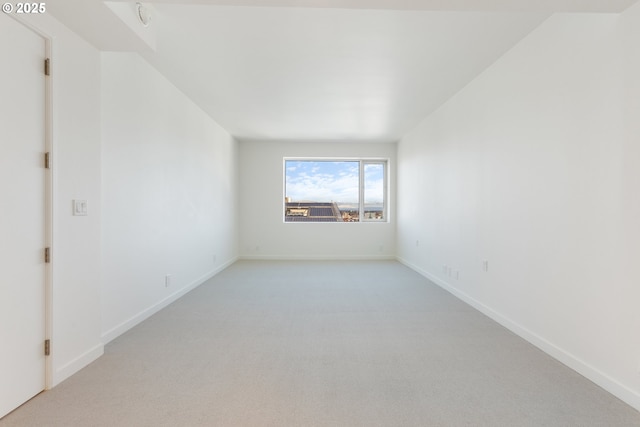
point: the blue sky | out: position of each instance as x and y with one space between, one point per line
326 181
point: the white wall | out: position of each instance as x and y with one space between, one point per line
535 167
75 300
169 185
265 235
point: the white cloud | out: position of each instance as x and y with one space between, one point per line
333 181
323 187
374 191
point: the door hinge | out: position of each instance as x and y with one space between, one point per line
47 160
47 347
47 255
47 67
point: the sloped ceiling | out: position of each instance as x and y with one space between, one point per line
300 70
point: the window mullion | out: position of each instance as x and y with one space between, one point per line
361 192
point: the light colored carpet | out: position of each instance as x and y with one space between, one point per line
322 344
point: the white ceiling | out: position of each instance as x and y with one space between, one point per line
356 70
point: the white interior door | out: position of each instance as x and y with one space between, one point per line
22 214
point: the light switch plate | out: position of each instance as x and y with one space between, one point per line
80 208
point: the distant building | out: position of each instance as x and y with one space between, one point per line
312 212
374 215
350 215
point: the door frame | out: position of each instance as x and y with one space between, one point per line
49 190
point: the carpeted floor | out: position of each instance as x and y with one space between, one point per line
322 344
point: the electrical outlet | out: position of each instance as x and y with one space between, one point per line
167 280
485 265
457 275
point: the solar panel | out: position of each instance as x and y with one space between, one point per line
312 212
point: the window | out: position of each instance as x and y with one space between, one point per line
332 190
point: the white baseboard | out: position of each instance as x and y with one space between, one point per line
115 332
600 378
65 371
318 257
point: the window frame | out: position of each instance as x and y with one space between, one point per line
362 161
